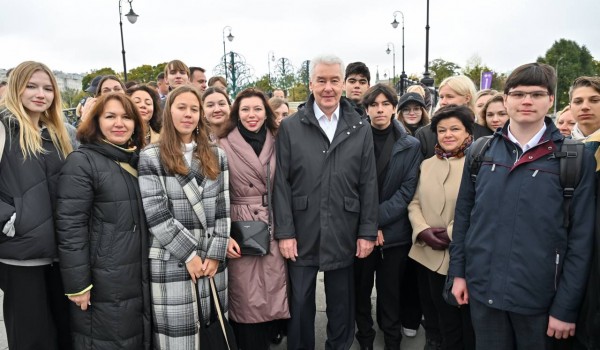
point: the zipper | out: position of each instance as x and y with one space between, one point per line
556 263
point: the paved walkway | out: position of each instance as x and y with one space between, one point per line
415 343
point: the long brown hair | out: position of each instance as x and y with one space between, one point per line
29 136
171 153
89 131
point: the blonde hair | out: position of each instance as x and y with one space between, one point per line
463 86
29 135
416 88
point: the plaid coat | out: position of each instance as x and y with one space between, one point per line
185 214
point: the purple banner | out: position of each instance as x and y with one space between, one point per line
486 80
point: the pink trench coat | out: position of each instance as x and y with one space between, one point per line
257 285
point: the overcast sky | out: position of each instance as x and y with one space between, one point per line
81 35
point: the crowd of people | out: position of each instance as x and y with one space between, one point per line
476 219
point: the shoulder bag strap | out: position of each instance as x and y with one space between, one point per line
218 307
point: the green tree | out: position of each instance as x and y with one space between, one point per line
441 69
263 84
85 82
571 61
298 93
475 68
71 97
142 74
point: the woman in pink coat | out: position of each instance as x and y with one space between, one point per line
257 284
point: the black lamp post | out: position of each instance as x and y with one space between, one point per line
427 79
230 38
132 18
403 75
393 62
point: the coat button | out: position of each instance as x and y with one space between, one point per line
360 123
530 157
324 151
348 133
353 126
180 264
256 212
550 148
490 301
251 185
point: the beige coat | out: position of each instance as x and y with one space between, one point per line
257 284
433 206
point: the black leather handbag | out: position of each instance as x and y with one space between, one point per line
254 237
219 334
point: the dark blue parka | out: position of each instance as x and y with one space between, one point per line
399 188
509 241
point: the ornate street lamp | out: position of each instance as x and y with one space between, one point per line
230 38
132 18
394 60
403 75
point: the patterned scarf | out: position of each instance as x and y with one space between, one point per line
458 153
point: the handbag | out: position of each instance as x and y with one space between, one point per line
217 335
254 237
447 292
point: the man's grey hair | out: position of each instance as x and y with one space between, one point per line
328 60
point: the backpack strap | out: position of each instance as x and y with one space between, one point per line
571 159
479 147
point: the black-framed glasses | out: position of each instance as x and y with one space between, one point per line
414 110
535 95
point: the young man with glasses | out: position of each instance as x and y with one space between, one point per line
513 259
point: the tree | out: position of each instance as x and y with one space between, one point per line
298 93
572 61
441 69
71 97
85 82
303 78
263 84
474 70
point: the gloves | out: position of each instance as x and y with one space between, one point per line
436 238
9 227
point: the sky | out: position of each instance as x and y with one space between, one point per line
77 36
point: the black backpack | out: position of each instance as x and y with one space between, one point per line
571 160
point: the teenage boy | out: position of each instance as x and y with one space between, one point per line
513 259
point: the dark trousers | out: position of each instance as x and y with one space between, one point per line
410 304
339 296
497 329
253 336
35 307
389 267
454 323
431 321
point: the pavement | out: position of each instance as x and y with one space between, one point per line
416 343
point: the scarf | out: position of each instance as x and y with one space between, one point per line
458 153
256 140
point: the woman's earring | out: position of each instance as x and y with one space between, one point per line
198 129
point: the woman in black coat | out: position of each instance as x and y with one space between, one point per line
102 236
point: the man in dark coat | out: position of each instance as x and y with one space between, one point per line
325 204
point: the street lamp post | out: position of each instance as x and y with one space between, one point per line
230 38
427 79
403 75
132 18
393 61
270 57
556 86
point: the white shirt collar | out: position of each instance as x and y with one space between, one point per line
328 126
532 143
320 114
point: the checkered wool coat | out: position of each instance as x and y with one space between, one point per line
185 214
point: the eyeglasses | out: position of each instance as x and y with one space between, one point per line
535 95
414 110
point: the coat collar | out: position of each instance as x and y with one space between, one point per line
241 148
193 190
349 122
